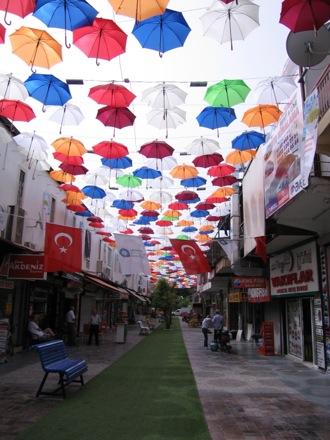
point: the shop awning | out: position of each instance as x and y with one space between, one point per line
139 297
122 293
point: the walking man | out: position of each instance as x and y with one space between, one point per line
71 321
94 327
206 324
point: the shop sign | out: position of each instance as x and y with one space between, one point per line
27 267
236 297
247 282
294 272
257 294
4 284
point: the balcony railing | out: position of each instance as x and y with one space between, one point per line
323 88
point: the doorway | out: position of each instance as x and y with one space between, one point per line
307 330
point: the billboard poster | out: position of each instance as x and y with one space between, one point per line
283 158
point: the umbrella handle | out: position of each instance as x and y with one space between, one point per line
67 45
7 22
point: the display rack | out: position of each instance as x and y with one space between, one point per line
267 347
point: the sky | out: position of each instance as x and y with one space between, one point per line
260 56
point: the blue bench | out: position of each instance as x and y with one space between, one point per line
54 359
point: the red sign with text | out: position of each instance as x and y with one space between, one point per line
28 267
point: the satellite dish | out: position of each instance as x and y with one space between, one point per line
306 49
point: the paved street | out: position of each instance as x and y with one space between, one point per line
244 395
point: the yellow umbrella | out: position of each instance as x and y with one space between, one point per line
206 228
36 47
172 213
225 191
236 157
184 171
69 146
61 176
139 9
202 238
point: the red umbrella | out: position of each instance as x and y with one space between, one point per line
145 237
205 205
213 199
146 230
75 170
150 213
214 218
128 231
110 149
103 39
115 117
186 195
224 180
223 169
114 95
21 8
69 160
207 160
178 205
164 223
76 208
2 34
127 212
69 187
304 15
96 225
16 110
94 218
156 149
104 233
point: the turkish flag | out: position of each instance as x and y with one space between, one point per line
261 247
63 248
191 256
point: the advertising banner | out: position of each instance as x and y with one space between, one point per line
26 267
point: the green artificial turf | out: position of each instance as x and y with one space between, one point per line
148 394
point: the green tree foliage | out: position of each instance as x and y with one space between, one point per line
165 298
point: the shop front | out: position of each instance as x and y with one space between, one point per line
295 282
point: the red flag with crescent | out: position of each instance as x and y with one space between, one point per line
63 248
191 256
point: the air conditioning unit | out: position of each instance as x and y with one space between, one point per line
99 266
15 224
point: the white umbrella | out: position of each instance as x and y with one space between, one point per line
166 163
171 118
132 195
30 144
164 96
161 197
233 21
162 182
5 140
202 146
273 90
12 87
95 178
68 114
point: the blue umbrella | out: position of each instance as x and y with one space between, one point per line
84 214
199 213
216 117
193 201
120 163
193 182
248 140
146 173
162 32
189 229
142 221
47 89
94 192
65 14
122 204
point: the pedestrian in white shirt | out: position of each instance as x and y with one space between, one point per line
94 327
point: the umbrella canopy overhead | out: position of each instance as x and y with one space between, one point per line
164 96
273 90
69 146
12 87
227 93
304 15
36 47
65 14
139 9
67 115
216 117
261 116
116 117
104 39
164 120
236 157
21 8
248 140
226 22
110 149
162 32
16 110
201 146
156 149
113 95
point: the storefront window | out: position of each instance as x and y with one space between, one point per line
295 340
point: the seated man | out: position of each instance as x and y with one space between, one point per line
35 331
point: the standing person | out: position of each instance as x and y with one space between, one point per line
206 324
217 322
94 324
71 321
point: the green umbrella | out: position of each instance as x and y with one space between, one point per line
183 237
129 181
227 93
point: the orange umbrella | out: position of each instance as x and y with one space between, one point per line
184 172
36 47
185 223
69 146
202 238
225 191
172 213
261 115
61 176
139 9
71 201
150 205
236 157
